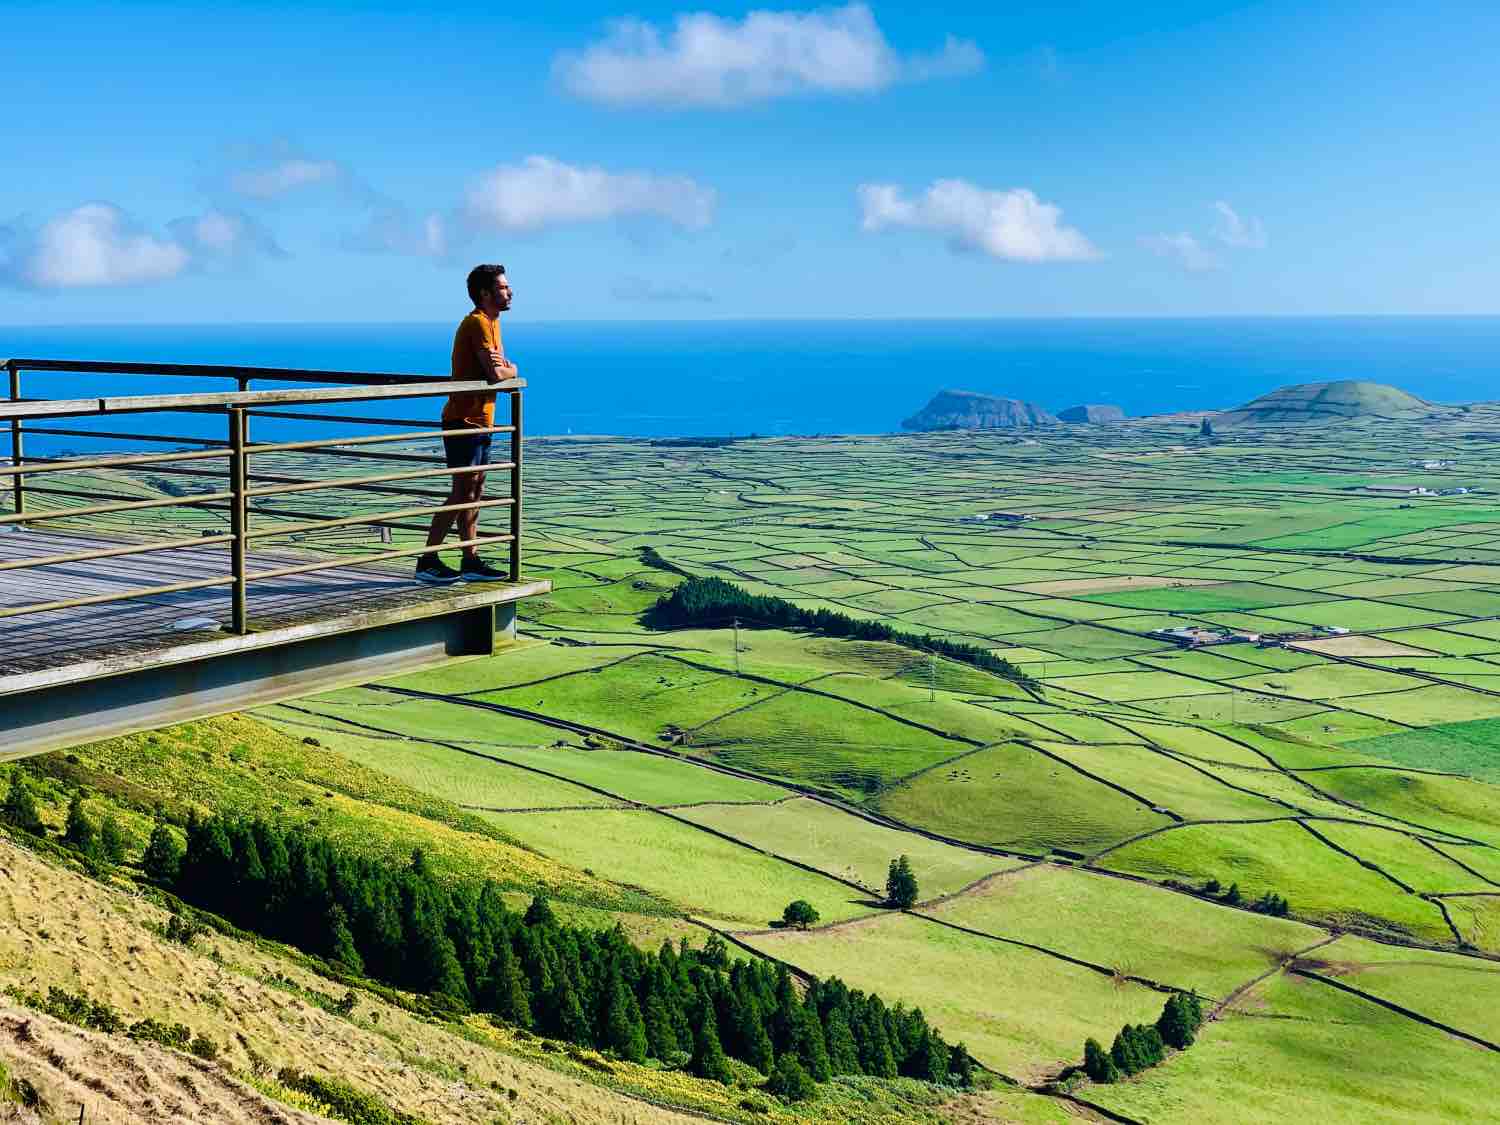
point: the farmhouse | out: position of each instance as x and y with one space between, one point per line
1399 490
1191 635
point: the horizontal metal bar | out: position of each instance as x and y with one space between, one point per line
214 371
414 435
379 478
115 552
376 517
137 403
121 596
357 419
122 506
112 436
83 407
360 560
67 464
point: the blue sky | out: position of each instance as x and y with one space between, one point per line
294 162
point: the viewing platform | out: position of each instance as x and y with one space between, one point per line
139 589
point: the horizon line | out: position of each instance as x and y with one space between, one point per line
773 319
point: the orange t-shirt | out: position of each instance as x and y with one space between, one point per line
477 334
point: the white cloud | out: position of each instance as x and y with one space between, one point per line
393 230
96 245
271 179
1244 234
541 191
705 60
1012 225
643 289
1184 249
223 237
91 245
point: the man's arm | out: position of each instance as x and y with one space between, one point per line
492 361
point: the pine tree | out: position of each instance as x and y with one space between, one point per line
661 1036
504 990
1194 1008
1175 1023
1149 1044
80 832
811 1047
1232 895
162 862
20 809
961 1065
901 884
790 1081
539 913
341 949
716 950
708 1052
568 1019
1123 1052
1098 1063
624 1032
843 1053
112 841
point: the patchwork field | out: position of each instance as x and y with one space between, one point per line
1121 813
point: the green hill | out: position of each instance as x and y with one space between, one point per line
1326 402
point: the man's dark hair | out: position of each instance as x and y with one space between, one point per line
482 278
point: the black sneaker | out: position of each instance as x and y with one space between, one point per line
435 572
477 570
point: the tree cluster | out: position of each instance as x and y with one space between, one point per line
1268 903
714 602
99 843
463 946
1138 1047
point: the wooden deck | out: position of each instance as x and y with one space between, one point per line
153 625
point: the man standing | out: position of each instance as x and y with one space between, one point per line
477 354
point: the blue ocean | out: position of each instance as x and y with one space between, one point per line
806 377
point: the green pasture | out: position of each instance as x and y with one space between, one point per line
702 873
1190 943
1464 990
1294 1049
1471 747
847 845
1011 796
984 993
1282 857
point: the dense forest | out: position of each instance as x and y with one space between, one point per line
714 602
463 946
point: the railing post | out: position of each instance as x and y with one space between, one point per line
17 481
238 513
515 486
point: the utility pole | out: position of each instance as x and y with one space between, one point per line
931 678
736 646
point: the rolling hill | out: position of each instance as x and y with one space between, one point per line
1326 402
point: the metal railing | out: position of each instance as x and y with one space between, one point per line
248 495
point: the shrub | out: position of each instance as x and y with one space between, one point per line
790 1081
346 1102
20 809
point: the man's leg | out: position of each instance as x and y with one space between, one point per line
442 522
468 519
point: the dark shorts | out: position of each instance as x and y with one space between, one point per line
466 450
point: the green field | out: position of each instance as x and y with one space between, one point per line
1350 772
